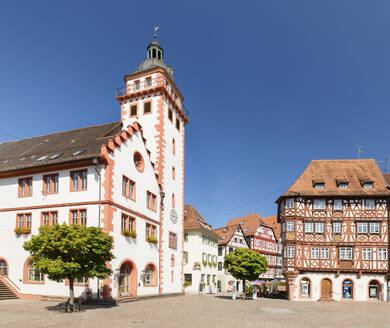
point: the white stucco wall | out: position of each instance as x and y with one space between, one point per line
196 248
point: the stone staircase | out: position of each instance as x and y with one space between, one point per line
5 292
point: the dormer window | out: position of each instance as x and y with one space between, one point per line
368 185
319 185
342 184
224 230
243 222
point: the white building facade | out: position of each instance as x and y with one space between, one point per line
126 177
200 254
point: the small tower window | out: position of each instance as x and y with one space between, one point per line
159 55
133 110
147 107
136 85
154 53
177 124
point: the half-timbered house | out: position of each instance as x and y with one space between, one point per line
261 238
334 221
232 237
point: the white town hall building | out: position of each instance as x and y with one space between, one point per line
126 177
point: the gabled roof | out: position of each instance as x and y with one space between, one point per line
248 223
332 172
226 233
194 221
55 148
271 221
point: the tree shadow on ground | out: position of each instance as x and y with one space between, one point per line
93 305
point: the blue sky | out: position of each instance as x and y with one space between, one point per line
270 84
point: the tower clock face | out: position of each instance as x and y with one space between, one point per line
173 215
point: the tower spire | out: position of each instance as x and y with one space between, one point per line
156 27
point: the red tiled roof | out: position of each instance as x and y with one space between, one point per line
248 223
271 221
225 233
330 172
194 221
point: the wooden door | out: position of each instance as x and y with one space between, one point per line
326 288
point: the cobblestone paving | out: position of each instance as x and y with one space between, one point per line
199 311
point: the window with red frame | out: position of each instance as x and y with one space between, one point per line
173 173
151 201
172 260
127 223
23 220
173 200
128 188
172 240
78 217
150 230
49 218
173 146
50 184
25 187
78 180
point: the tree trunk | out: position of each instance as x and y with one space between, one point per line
243 288
71 291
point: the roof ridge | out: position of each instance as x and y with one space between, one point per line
64 131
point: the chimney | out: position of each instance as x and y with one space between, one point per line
250 212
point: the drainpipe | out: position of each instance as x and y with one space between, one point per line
162 196
96 162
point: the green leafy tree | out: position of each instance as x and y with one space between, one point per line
245 264
71 252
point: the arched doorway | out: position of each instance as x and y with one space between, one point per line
326 288
373 290
3 268
127 279
348 289
124 280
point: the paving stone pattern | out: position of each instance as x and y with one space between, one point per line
199 311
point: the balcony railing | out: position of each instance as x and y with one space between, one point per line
137 86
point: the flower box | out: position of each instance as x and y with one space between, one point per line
151 239
23 230
129 233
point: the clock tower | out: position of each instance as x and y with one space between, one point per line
151 98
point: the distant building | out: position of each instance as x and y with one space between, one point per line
335 220
272 221
261 238
200 253
232 237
